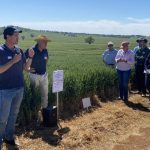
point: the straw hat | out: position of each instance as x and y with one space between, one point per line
42 38
124 43
110 43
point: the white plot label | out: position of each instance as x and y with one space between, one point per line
86 102
58 80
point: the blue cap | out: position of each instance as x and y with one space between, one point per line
10 30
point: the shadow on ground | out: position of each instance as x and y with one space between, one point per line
137 106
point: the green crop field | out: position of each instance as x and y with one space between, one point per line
85 73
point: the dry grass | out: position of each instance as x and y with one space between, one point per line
101 129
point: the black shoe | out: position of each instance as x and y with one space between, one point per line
139 92
125 100
12 142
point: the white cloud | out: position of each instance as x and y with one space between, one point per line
145 20
133 26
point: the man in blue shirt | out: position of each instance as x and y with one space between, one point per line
12 63
38 75
109 55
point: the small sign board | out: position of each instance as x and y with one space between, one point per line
58 81
86 102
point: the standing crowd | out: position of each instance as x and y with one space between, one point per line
34 60
124 60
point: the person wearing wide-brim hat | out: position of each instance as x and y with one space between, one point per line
109 55
141 42
124 60
140 57
37 72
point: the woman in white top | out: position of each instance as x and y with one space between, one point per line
124 60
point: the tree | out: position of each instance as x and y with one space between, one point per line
22 37
89 40
32 35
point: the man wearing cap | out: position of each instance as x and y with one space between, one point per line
140 57
12 63
38 75
109 55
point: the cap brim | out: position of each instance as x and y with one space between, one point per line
18 31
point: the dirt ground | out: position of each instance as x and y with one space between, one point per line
114 126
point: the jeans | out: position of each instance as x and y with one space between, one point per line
10 101
41 82
123 77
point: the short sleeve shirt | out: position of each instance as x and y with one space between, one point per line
13 77
39 60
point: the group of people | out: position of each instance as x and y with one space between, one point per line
12 63
124 59
34 60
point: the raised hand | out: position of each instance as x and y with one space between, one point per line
16 58
31 53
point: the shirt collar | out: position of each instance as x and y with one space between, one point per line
10 50
37 49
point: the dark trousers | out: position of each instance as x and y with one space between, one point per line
140 78
123 77
148 82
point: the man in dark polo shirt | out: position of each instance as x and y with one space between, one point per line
12 63
38 75
140 56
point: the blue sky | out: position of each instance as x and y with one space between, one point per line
90 16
